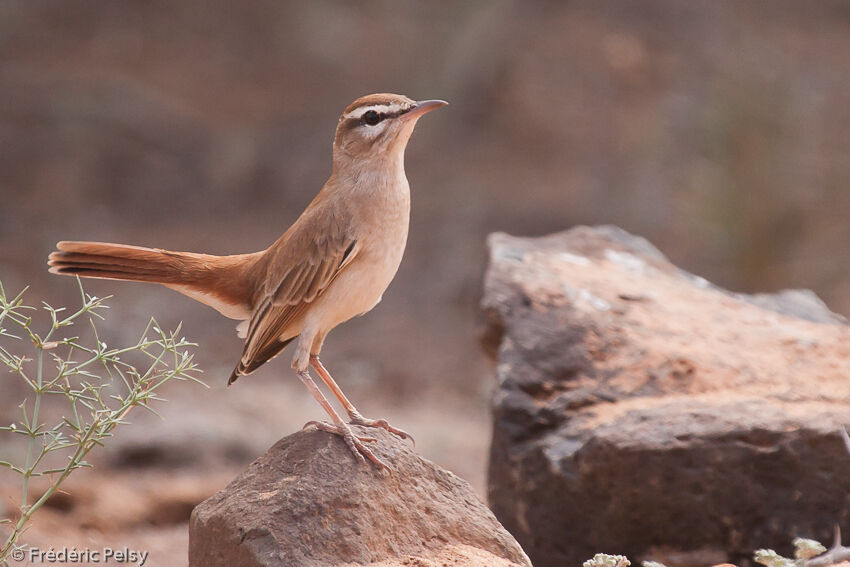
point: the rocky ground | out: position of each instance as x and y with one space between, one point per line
638 409
147 480
306 502
642 408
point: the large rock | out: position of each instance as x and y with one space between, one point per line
642 410
307 502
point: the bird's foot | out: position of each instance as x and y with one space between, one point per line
355 442
358 419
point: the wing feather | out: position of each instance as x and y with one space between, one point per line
300 268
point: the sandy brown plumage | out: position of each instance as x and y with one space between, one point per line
301 265
332 264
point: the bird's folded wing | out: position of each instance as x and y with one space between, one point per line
304 262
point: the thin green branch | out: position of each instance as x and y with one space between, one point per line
76 378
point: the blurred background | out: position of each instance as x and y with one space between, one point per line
720 130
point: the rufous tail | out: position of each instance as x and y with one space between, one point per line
122 262
220 278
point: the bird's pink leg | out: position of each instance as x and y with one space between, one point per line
339 427
353 414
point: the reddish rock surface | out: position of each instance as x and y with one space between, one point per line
640 406
307 502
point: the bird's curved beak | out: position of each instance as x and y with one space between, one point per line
422 107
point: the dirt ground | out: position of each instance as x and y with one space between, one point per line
144 485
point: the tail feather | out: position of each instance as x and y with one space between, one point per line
119 261
71 258
103 268
225 283
222 282
107 272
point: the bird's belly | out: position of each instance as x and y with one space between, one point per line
358 288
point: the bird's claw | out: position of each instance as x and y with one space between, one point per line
358 419
354 442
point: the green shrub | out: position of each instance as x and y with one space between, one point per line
97 385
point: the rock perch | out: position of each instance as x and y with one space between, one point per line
641 410
307 503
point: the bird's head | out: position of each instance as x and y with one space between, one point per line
378 126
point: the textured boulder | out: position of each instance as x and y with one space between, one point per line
307 502
642 410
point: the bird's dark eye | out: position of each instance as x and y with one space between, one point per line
371 117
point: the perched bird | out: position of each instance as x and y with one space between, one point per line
332 264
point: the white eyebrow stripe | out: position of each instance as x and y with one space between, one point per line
382 108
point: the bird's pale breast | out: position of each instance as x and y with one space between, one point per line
381 240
